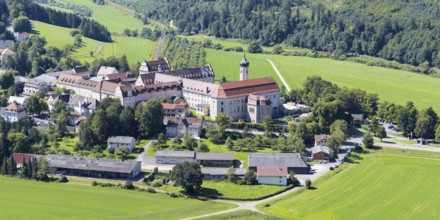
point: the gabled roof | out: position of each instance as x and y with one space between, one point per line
245 87
7 52
121 139
17 99
167 106
169 153
276 171
14 107
20 157
81 70
214 156
153 66
321 137
192 73
126 75
105 70
318 149
276 159
222 171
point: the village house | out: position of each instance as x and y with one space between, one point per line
106 70
17 99
6 43
52 99
176 126
20 158
13 112
154 66
321 153
172 110
5 54
82 71
321 139
33 86
272 175
293 161
215 159
291 108
82 105
219 174
21 36
127 77
174 157
116 142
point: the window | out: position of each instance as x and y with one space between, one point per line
221 110
221 103
251 110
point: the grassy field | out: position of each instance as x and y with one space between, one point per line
25 199
389 184
135 49
243 215
228 189
392 85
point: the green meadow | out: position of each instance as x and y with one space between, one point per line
26 199
242 215
392 85
135 49
395 184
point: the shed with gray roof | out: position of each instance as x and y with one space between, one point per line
174 157
92 167
221 173
293 161
215 159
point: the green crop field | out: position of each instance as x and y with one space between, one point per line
392 85
135 49
25 199
242 215
397 184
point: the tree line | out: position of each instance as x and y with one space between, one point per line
80 10
400 30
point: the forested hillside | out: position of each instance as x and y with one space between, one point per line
406 31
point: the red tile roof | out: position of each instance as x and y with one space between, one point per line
321 137
246 87
20 157
153 66
272 171
182 105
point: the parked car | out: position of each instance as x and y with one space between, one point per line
331 168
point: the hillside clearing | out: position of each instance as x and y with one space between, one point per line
388 185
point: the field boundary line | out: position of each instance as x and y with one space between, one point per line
279 74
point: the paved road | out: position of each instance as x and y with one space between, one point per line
160 45
279 75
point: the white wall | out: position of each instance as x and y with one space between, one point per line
272 180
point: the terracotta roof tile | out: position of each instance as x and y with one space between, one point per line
246 87
272 171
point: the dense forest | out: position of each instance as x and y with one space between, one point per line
402 30
34 11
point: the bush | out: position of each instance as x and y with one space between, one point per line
129 185
308 183
63 179
151 190
157 183
174 195
239 49
94 183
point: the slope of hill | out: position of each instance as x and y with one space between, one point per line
401 30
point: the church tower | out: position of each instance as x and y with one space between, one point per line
244 69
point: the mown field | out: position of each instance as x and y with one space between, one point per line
394 184
228 189
392 85
25 199
135 49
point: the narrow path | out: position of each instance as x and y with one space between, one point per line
279 75
160 45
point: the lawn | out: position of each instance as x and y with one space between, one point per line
389 184
243 215
136 49
392 85
25 199
231 190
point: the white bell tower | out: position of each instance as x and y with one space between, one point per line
244 69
